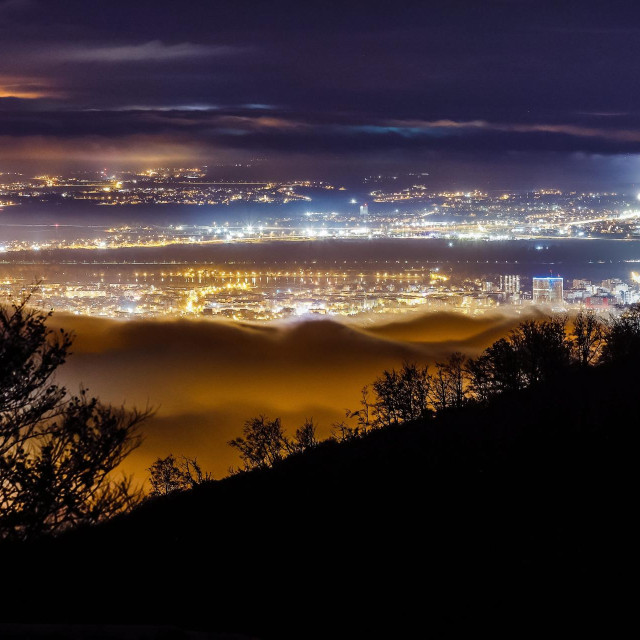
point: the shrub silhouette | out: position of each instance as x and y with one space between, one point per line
168 475
265 443
305 437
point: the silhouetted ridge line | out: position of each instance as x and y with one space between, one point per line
452 510
502 513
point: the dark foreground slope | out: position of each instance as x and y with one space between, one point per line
514 517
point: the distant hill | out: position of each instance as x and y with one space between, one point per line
514 517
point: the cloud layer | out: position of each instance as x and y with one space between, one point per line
154 51
207 378
396 84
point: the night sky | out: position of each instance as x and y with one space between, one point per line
518 93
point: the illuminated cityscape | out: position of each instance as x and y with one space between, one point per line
122 270
293 210
240 292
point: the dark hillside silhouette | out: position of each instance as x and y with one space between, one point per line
503 501
513 515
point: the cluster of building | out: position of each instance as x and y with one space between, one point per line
549 291
117 291
537 214
124 290
470 215
148 189
608 294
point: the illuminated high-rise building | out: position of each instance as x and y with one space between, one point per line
510 284
548 291
364 209
488 286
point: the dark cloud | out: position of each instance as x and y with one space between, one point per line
154 50
152 133
532 77
13 7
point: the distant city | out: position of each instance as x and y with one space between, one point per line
412 211
80 267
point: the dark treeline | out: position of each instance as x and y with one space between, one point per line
535 353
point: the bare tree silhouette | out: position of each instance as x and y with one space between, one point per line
364 416
534 352
622 337
588 337
262 444
448 384
402 396
57 451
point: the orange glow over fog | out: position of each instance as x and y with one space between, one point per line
206 377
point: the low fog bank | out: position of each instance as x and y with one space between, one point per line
207 377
